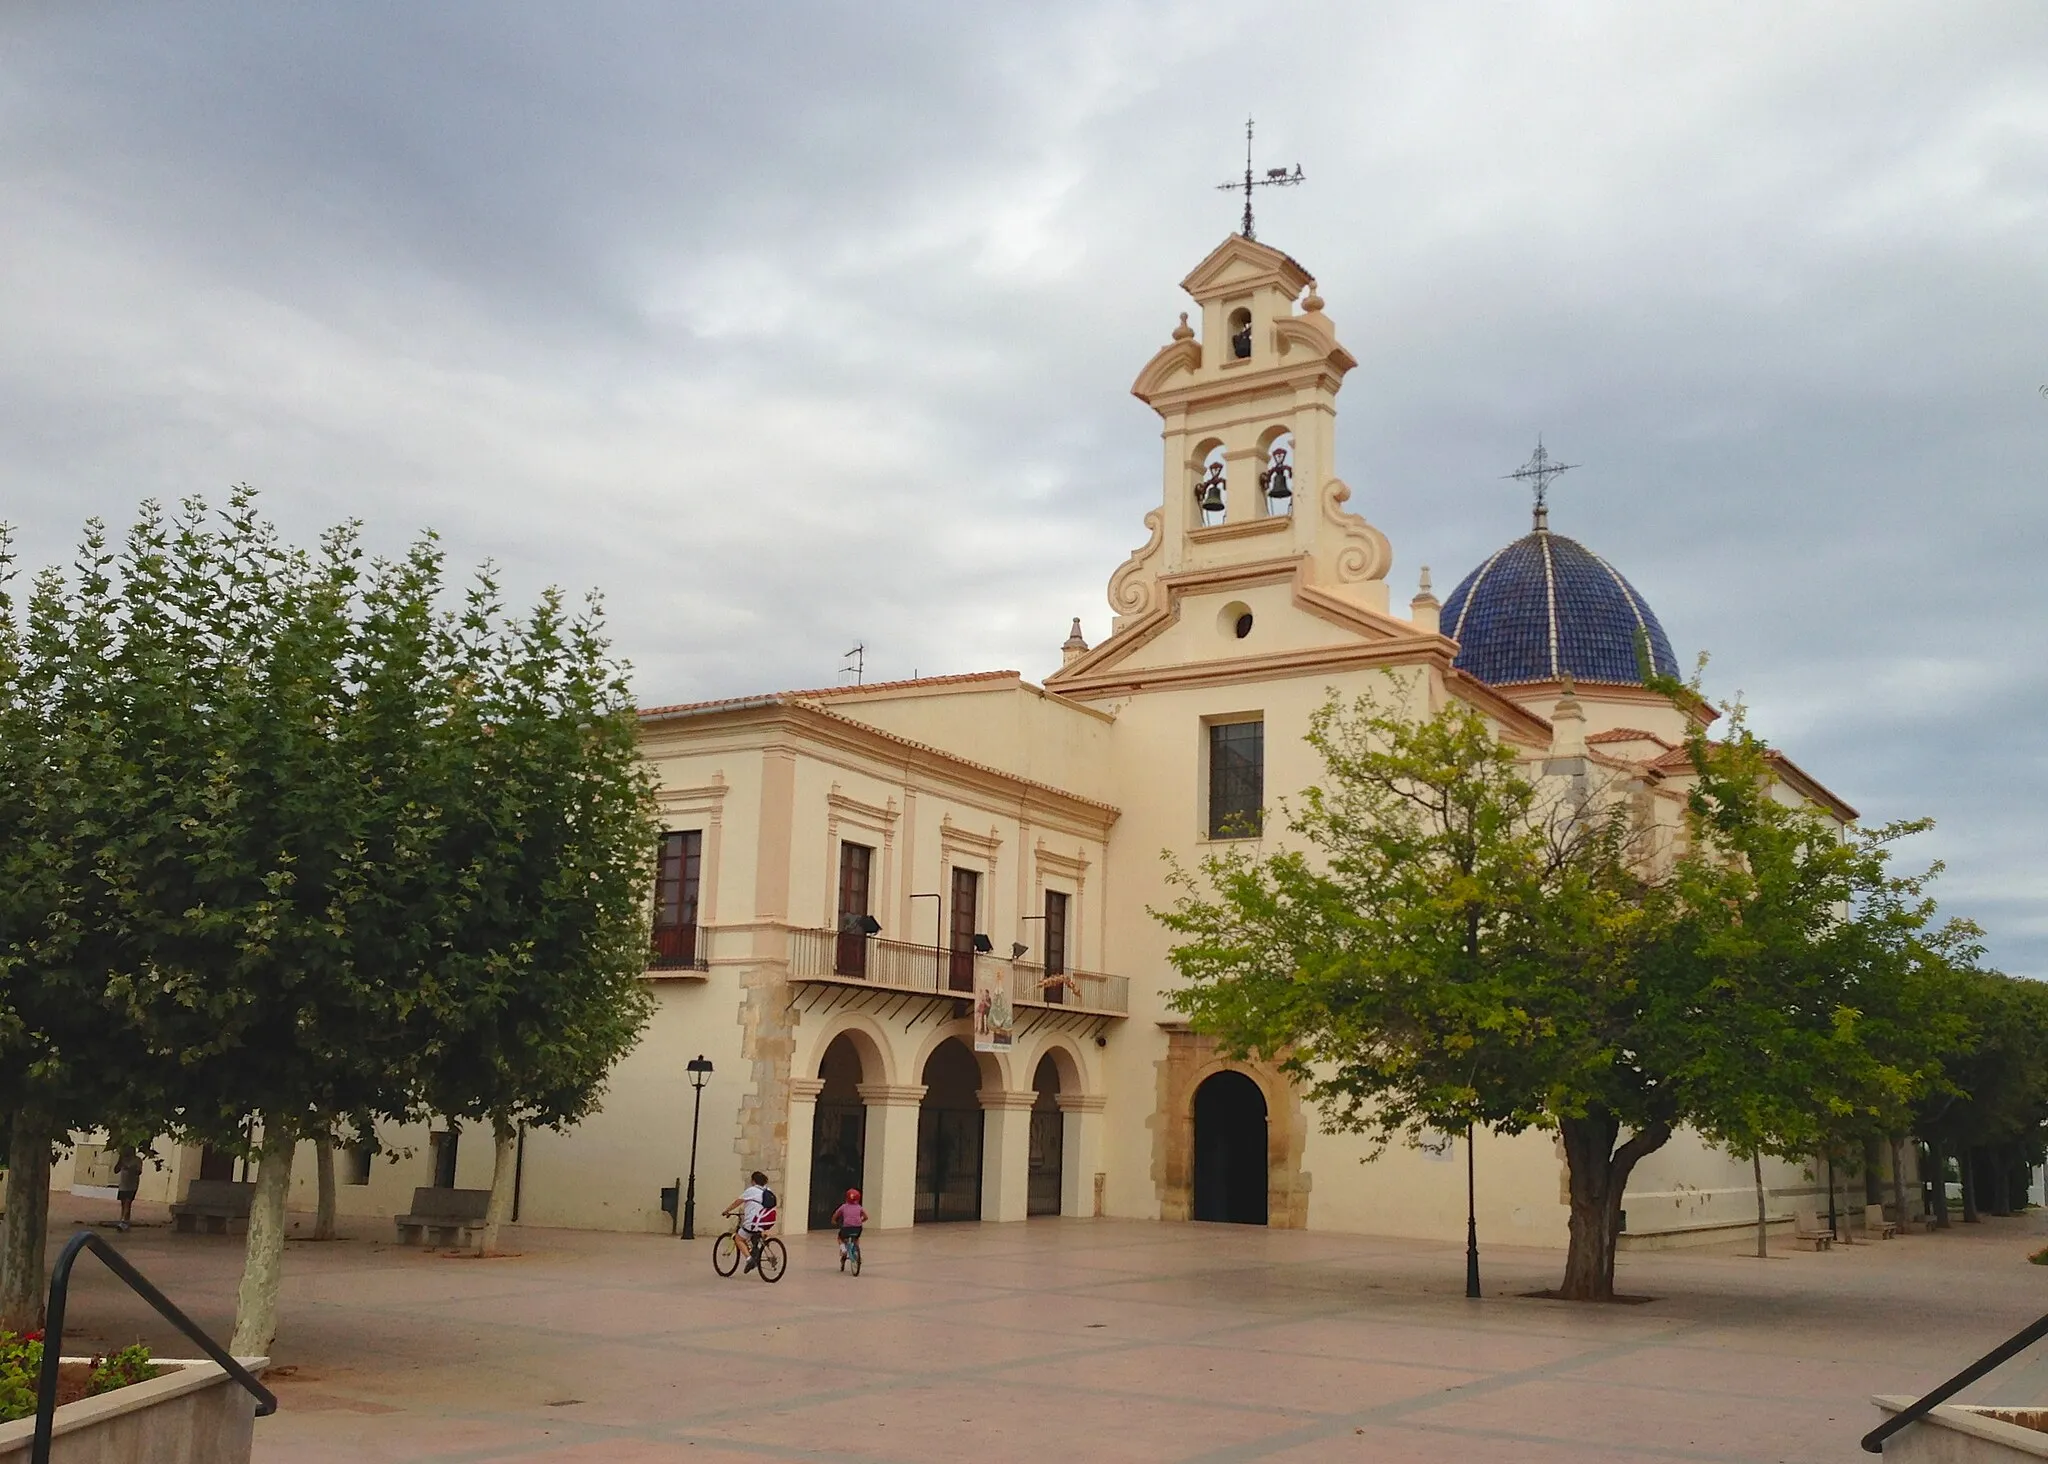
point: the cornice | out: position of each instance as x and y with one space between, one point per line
1268 666
794 721
1271 523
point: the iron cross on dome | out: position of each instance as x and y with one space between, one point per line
1541 471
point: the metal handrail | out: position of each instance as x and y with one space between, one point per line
53 1335
2013 1346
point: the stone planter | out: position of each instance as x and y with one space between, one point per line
193 1414
1960 1433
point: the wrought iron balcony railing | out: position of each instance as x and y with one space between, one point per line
680 948
823 955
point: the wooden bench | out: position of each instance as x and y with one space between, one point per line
443 1216
218 1206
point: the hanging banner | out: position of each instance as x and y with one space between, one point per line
994 1014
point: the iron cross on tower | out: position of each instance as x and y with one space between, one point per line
1541 471
1275 178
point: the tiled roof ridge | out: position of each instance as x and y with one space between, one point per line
1630 734
824 691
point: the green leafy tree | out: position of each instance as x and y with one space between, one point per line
1461 943
1837 990
538 984
1460 947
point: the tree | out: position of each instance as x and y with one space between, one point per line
96 700
538 984
1837 992
1459 942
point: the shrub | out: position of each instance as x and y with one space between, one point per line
21 1368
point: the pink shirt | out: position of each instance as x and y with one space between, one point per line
849 1214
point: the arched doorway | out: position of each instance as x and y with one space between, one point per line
838 1133
949 1136
1230 1150
1042 1189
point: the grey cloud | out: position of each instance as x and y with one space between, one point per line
789 326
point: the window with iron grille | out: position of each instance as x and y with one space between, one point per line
678 872
1237 779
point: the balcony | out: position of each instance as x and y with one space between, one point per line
822 955
680 948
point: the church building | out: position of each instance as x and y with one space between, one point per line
908 925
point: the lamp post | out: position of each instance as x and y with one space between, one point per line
699 1069
1471 1223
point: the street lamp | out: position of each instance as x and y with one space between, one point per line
699 1069
1471 1223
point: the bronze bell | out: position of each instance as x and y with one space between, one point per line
1209 494
1278 479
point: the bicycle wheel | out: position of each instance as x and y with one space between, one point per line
725 1254
854 1248
773 1259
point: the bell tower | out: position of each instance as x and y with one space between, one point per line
1248 407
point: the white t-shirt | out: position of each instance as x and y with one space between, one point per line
751 1207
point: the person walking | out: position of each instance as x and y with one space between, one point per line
127 1179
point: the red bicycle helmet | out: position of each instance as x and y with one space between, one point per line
853 1197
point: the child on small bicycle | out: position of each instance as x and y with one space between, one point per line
849 1217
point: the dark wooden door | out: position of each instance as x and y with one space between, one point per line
1055 945
966 909
856 864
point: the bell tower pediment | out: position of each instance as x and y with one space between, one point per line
1248 406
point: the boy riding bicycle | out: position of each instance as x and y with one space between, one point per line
756 1209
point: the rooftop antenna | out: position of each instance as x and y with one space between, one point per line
1541 471
857 659
1275 178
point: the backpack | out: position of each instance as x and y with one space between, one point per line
768 1201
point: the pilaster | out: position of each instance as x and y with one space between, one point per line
891 1152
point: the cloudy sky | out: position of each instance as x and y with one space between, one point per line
791 326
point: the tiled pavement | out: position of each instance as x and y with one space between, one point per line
1069 1340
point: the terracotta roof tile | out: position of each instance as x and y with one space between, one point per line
1627 734
815 693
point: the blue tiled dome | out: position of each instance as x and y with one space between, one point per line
1546 605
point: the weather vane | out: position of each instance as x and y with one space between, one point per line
1275 178
1541 471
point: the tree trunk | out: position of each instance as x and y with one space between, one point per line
1873 1179
25 1231
323 1168
1966 1163
505 1165
263 1257
1937 1162
1899 1181
2001 1177
1598 1174
1763 1220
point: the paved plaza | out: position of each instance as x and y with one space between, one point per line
1078 1339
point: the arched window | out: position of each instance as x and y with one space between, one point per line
1241 334
1276 477
1209 487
